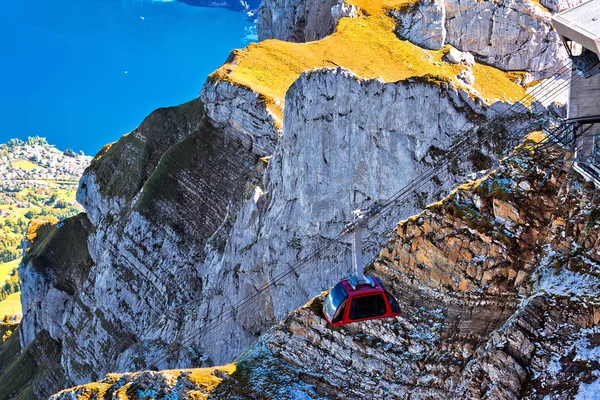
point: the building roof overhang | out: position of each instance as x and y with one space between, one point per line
580 24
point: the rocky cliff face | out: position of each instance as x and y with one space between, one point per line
149 258
174 157
511 35
243 114
181 225
53 270
301 21
295 21
498 286
186 217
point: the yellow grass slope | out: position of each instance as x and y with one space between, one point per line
194 384
8 267
11 305
366 45
25 165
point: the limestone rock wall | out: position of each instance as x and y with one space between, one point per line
510 35
296 20
186 221
498 286
318 174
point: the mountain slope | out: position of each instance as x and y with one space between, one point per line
498 295
186 217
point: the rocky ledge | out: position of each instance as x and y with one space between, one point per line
184 218
498 285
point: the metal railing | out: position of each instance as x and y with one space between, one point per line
581 140
587 64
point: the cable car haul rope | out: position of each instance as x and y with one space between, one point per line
360 298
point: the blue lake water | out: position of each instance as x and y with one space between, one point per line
83 72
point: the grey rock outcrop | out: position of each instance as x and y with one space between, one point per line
559 5
151 258
458 57
243 113
343 10
509 34
467 76
156 199
296 20
499 299
181 234
423 23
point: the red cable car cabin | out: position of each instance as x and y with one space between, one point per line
357 301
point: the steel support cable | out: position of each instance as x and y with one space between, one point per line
424 179
408 189
557 136
233 310
539 89
223 317
411 187
576 136
410 192
428 174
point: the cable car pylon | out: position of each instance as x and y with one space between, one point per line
359 297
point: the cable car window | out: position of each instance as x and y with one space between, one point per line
367 307
393 303
335 303
340 312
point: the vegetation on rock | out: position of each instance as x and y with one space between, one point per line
38 183
498 295
366 45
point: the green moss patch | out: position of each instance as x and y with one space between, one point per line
123 167
201 180
495 189
62 247
32 374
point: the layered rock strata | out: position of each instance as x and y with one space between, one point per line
157 200
510 35
295 21
183 227
53 270
498 288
